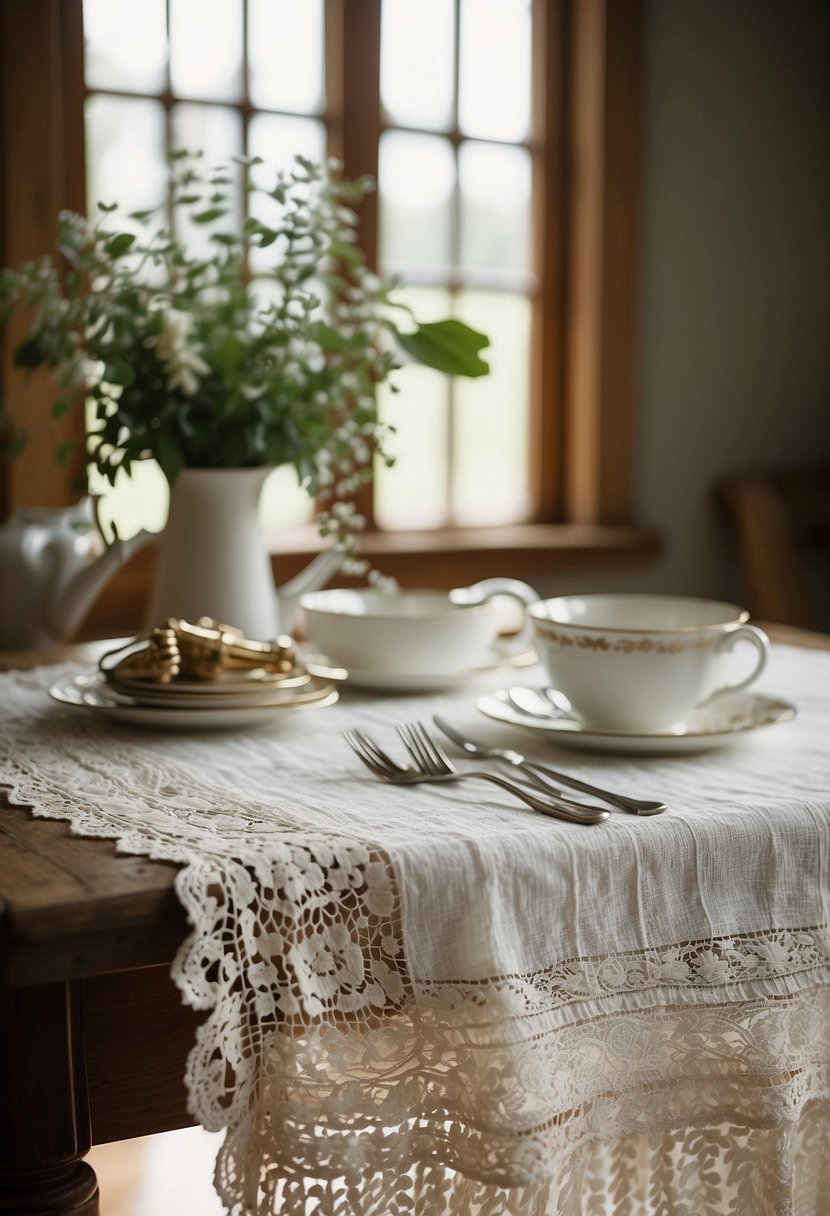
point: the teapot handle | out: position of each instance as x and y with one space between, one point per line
488 589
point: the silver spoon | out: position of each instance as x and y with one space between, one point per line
541 702
633 806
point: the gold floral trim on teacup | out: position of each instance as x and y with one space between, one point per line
625 645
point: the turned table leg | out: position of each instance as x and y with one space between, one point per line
44 1111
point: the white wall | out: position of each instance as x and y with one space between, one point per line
735 309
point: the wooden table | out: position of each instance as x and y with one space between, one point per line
93 1034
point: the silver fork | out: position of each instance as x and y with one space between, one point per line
432 759
538 773
387 769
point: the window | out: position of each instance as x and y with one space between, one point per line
503 136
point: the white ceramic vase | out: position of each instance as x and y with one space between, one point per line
213 560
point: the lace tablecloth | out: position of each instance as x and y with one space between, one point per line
431 1001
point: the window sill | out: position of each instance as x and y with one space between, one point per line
447 559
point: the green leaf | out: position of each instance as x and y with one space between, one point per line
28 353
61 405
227 355
118 371
267 236
119 244
168 456
64 450
346 252
107 207
207 217
329 338
449 346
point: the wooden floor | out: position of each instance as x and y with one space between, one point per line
169 1175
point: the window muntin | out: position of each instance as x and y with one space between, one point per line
455 187
454 204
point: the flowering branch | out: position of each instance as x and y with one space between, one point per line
196 362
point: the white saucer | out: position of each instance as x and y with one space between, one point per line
167 696
91 693
435 681
726 720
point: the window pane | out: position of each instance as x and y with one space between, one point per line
490 448
278 141
416 176
495 206
206 49
135 502
125 45
282 503
494 69
216 132
414 492
125 153
285 51
417 62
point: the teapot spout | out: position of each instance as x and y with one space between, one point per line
77 587
316 574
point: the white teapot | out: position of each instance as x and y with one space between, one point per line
53 564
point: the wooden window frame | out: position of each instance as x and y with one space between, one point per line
584 329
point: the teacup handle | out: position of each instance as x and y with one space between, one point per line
488 589
746 633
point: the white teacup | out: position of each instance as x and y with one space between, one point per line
639 664
414 638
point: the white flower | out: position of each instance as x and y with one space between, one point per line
370 283
383 582
178 356
93 373
343 511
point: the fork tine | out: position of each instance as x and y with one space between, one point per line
439 756
362 754
415 746
374 757
424 750
379 754
437 762
410 743
367 744
373 762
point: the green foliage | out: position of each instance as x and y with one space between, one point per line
450 346
187 358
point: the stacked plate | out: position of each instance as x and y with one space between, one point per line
234 699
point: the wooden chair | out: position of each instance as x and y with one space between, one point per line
780 525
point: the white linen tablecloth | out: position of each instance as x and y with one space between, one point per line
433 1001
